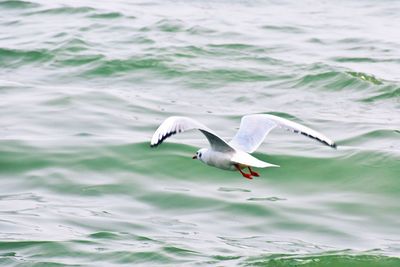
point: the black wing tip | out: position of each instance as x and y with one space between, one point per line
160 140
332 145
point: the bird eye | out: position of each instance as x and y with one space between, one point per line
199 155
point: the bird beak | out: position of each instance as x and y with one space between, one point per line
194 157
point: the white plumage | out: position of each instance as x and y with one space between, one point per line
234 155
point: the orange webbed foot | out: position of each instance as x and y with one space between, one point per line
253 172
245 175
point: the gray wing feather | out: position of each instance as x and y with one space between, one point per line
175 124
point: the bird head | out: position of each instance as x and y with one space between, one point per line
200 154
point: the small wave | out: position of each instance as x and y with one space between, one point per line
387 92
287 29
64 10
107 15
365 77
352 40
327 79
73 45
384 133
81 60
352 80
232 189
167 68
200 30
266 199
74 52
358 59
175 25
14 56
139 39
121 66
382 140
228 75
17 4
168 25
316 40
338 80
104 235
345 258
235 46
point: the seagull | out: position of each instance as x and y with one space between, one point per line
235 154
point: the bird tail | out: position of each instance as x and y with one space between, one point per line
248 160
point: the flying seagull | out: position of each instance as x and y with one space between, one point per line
234 155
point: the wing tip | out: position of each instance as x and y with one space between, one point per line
159 140
325 142
271 165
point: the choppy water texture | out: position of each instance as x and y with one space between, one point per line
84 84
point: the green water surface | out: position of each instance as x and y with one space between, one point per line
84 84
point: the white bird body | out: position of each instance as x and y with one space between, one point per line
216 159
235 154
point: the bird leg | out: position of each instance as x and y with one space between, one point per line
245 175
253 173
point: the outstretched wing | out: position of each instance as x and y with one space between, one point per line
254 128
173 125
